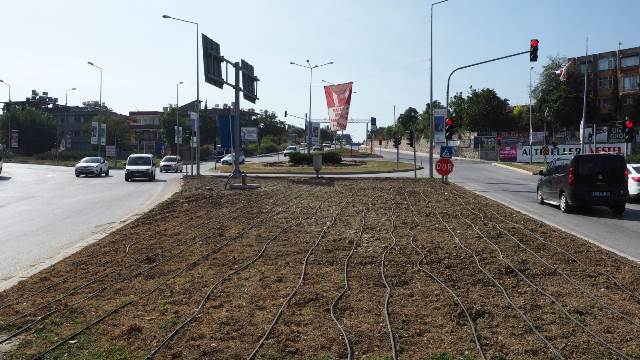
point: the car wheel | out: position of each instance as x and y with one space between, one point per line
617 209
99 173
565 207
106 173
540 198
77 175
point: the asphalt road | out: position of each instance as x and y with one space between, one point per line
518 190
46 212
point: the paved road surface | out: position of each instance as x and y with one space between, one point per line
45 211
518 190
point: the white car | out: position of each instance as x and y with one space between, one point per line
140 166
290 149
228 159
171 163
634 181
94 166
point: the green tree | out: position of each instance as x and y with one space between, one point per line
168 123
408 120
117 129
423 127
36 129
482 110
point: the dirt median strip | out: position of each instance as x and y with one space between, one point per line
522 289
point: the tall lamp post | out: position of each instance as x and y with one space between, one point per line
8 107
96 66
432 125
178 140
197 107
66 103
310 67
530 119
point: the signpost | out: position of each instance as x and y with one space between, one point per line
249 134
446 152
444 167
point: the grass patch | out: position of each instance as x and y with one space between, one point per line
346 168
533 168
447 356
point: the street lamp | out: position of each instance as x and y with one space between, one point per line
96 66
530 120
8 117
178 141
432 124
310 67
197 107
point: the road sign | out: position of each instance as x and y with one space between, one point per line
249 134
444 167
545 151
446 152
111 150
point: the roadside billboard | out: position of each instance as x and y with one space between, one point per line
103 134
249 134
508 152
315 133
95 127
536 150
439 116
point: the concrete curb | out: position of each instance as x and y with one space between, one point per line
322 173
162 196
513 168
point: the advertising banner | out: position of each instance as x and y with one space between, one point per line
94 132
338 102
103 134
315 133
523 151
601 135
537 136
484 142
616 135
178 134
439 116
508 152
249 134
225 123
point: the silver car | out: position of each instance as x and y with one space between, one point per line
94 166
171 163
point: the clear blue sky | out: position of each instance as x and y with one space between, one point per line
382 45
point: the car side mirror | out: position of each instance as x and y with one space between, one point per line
541 172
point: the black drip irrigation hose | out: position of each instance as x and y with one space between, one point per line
394 347
300 283
204 300
346 287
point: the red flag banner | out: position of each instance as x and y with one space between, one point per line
338 102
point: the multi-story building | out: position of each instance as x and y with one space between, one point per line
144 127
613 80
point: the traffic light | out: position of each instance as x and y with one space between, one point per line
411 139
396 141
629 131
449 129
499 140
533 50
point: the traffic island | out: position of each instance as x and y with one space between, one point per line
214 274
347 167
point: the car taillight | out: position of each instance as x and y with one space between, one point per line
572 176
635 178
626 172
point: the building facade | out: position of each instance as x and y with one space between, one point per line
144 128
613 81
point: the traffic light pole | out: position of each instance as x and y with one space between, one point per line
476 64
415 167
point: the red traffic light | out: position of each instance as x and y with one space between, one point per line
449 121
499 137
629 124
534 42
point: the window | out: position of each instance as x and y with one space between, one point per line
605 82
628 100
76 133
630 61
76 119
604 102
630 82
605 64
582 67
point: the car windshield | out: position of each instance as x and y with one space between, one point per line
636 169
139 161
170 159
291 148
90 160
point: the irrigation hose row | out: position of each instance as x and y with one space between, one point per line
394 350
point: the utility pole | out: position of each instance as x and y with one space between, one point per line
178 132
431 123
530 120
583 123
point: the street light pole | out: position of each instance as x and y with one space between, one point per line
310 67
431 125
96 66
197 106
530 120
66 103
178 141
8 117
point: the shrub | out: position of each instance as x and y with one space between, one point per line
267 146
331 158
298 158
65 155
633 159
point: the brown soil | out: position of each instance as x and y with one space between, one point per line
245 250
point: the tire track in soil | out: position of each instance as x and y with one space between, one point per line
193 342
604 325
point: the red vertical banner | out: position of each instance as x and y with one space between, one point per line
338 102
